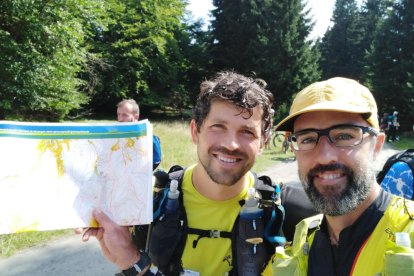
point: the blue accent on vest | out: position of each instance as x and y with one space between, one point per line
399 180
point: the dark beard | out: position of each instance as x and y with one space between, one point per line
356 191
225 179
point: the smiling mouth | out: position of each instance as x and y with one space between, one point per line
329 176
227 159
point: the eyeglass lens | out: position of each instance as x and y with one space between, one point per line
346 136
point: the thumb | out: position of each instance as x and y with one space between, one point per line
102 219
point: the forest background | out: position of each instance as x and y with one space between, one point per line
69 59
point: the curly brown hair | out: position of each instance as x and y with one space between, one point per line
242 91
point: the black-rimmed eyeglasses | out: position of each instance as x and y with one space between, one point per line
342 136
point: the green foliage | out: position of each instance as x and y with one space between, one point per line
375 45
341 54
142 57
195 44
268 38
41 52
64 59
391 63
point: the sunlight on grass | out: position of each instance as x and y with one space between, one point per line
176 144
10 244
406 141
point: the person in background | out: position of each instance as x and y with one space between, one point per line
336 140
128 111
393 126
384 123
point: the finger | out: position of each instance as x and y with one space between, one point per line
90 232
79 230
103 219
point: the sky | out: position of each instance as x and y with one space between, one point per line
321 10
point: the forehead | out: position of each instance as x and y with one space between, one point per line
126 108
227 112
325 119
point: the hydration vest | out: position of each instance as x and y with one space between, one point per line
398 217
165 238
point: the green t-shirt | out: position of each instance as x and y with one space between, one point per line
211 256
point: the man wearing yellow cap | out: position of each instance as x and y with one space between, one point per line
336 140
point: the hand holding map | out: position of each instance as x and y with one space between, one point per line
53 175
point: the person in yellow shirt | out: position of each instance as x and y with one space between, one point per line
231 124
336 140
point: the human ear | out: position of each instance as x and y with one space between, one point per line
378 144
194 131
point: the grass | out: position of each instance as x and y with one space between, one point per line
12 243
406 141
176 145
270 156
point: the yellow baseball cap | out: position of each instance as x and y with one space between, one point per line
336 94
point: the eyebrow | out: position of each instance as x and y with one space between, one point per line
224 122
334 126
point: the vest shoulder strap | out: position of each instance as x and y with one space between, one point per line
304 233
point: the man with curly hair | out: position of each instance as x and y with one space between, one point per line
231 124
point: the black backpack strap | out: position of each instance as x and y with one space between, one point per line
214 234
408 157
145 236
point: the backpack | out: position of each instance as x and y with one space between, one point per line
165 238
397 173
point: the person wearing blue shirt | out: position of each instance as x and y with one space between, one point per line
128 111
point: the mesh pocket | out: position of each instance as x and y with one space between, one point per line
165 237
251 251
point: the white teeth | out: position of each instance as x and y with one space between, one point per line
329 176
228 160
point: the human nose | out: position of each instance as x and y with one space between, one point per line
325 150
231 141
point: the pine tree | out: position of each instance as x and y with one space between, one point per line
340 47
235 31
391 62
372 14
268 37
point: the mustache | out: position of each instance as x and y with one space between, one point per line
223 150
330 167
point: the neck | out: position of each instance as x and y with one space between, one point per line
215 191
337 223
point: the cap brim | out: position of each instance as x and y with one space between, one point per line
287 123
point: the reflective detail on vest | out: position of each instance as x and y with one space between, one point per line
398 217
294 260
395 219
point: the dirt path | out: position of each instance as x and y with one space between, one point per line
70 256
